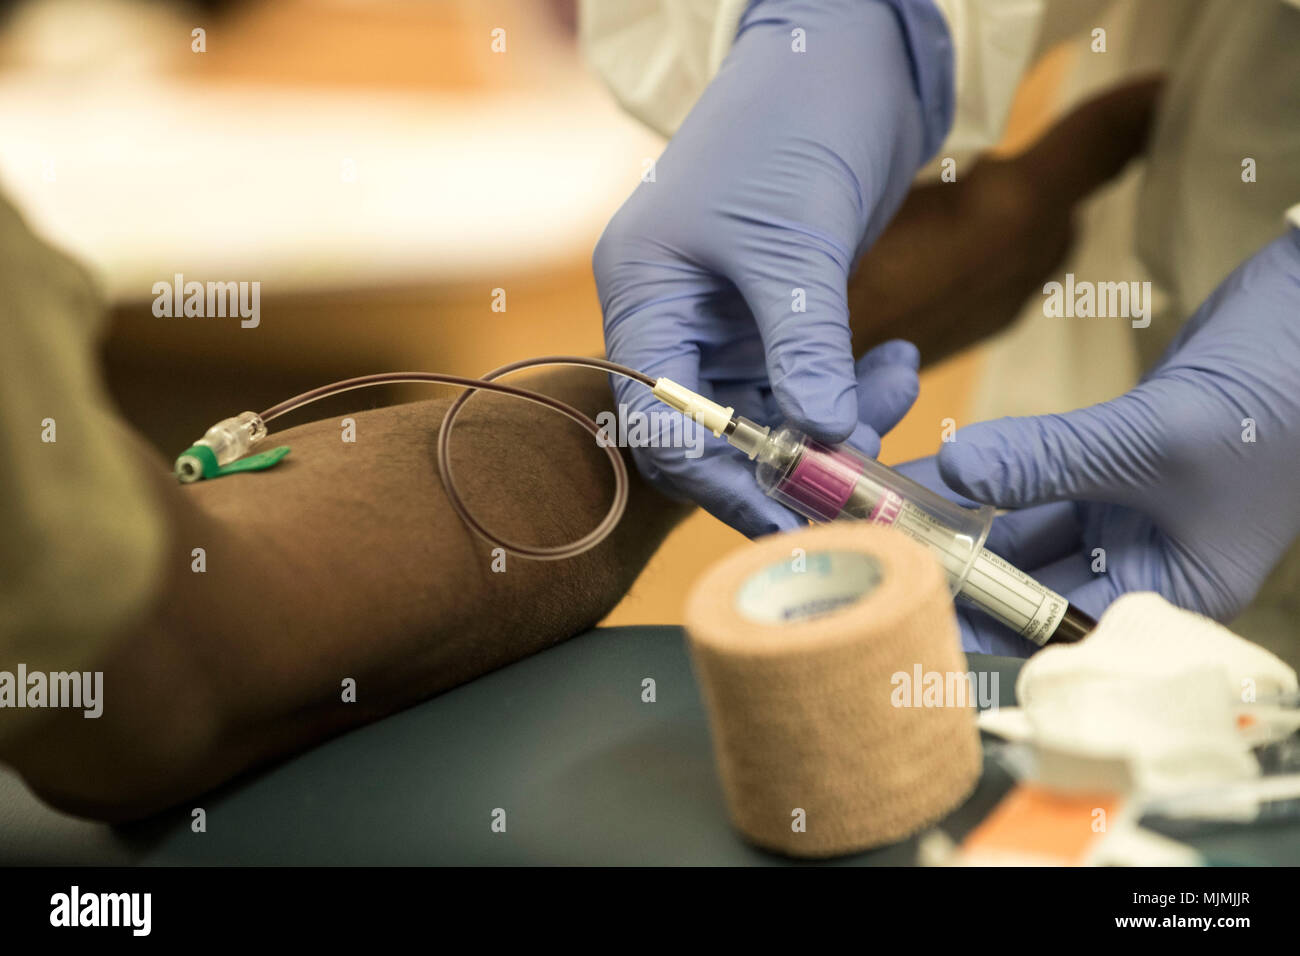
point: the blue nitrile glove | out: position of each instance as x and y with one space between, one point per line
728 272
1164 479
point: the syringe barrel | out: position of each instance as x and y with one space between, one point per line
825 483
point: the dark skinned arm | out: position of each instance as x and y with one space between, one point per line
345 561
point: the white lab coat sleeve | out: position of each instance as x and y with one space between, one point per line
993 44
657 56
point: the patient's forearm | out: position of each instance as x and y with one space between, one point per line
346 562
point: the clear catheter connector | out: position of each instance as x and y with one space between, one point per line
227 440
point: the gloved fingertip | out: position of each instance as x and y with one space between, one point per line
866 440
829 417
925 471
966 467
893 352
952 466
723 484
780 523
757 519
886 394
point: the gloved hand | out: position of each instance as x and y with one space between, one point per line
728 271
1188 484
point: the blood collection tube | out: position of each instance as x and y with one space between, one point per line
826 483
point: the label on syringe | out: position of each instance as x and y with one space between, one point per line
994 585
1014 598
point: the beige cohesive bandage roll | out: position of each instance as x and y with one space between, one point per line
807 647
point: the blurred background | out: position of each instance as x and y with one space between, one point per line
379 169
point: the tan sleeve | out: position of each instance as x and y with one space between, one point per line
81 539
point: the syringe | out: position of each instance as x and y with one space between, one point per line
825 483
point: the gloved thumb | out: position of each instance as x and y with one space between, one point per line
1102 453
799 303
